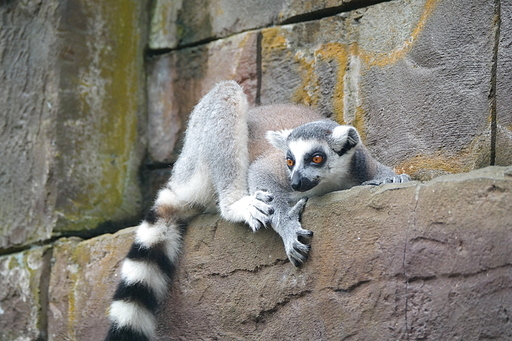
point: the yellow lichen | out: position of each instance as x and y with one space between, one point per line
471 157
391 57
273 40
338 53
436 161
359 122
307 92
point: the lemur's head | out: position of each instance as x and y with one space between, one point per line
318 154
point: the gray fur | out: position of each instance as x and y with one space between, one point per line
217 137
234 160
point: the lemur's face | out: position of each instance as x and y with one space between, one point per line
308 162
317 157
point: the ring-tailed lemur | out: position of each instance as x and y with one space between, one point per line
257 166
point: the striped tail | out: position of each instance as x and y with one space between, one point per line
145 276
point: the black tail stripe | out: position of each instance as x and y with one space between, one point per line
125 334
151 216
136 292
155 254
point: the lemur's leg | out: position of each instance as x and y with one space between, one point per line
286 217
218 134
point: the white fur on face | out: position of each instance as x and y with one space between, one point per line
334 174
299 148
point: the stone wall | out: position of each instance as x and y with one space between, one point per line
95 96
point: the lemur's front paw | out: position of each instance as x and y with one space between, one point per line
397 179
297 244
298 250
259 210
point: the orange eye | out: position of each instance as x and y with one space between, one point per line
317 159
290 162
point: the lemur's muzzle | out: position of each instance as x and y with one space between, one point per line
301 183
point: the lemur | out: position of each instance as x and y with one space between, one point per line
256 166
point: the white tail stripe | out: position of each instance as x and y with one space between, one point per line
134 271
149 235
166 197
133 315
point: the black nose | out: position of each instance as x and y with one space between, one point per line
302 184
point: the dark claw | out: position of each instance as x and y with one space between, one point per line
300 261
304 237
295 262
304 240
305 233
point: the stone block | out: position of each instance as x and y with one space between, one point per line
234 284
504 87
101 110
395 262
185 22
72 115
23 297
175 23
461 308
379 69
457 259
177 80
29 94
82 283
445 239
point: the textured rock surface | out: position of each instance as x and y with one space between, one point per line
419 260
504 87
28 83
82 282
181 22
23 295
72 104
397 262
376 66
100 113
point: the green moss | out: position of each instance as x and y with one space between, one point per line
12 263
105 155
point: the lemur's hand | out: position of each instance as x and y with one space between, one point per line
259 210
296 239
397 179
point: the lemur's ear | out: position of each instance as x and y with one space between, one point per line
278 138
344 138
